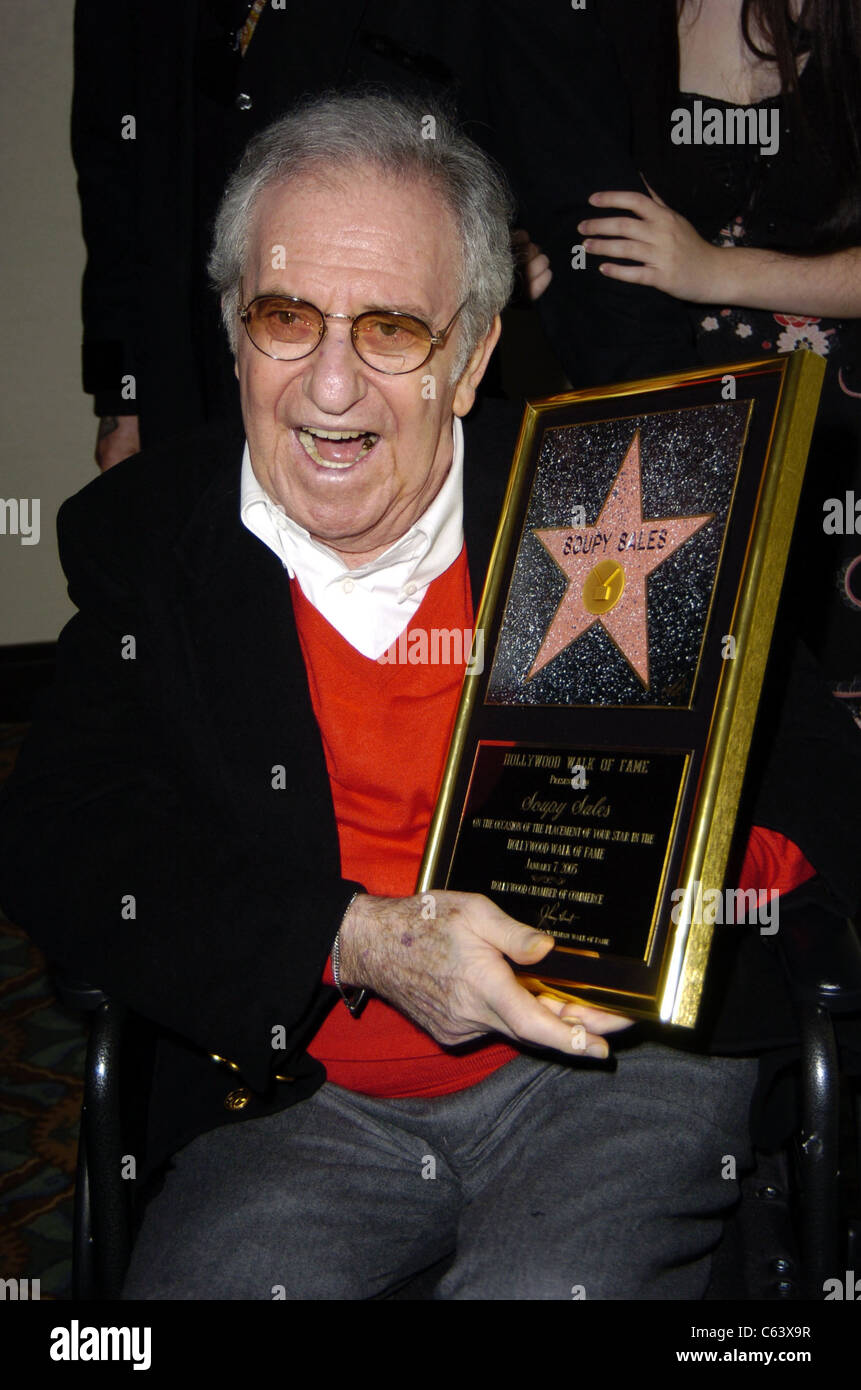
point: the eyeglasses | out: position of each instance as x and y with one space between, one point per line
388 340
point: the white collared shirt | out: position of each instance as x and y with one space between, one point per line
372 605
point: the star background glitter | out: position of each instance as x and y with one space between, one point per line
689 459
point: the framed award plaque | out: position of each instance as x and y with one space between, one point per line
621 641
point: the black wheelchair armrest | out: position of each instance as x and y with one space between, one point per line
102 1223
821 956
77 994
108 1194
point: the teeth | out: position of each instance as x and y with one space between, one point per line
307 434
335 434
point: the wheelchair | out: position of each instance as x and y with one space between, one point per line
795 1226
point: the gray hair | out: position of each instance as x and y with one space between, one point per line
404 141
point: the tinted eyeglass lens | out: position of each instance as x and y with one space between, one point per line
282 328
391 342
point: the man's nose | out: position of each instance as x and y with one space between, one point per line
335 378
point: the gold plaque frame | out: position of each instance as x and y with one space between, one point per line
712 729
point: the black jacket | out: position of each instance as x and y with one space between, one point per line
142 841
541 91
149 777
149 193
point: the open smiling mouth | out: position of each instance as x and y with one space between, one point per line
336 448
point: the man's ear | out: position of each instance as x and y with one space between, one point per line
224 299
464 395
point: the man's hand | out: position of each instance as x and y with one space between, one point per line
118 438
673 256
440 959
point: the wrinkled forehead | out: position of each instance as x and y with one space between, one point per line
372 221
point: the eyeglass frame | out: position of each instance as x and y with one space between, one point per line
435 339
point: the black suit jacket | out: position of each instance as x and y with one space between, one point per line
145 840
148 203
142 840
542 92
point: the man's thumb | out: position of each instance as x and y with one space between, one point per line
527 946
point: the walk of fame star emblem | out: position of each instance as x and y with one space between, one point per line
607 566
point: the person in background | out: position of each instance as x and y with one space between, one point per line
756 240
164 103
165 100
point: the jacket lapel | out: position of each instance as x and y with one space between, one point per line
248 673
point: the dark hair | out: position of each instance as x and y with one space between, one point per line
830 31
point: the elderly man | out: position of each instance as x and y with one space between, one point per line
221 815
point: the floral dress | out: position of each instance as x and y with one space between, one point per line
823 582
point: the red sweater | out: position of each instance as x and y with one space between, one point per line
386 729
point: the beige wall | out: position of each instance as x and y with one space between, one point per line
47 428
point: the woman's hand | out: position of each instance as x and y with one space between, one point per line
672 256
533 263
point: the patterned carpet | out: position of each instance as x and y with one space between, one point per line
42 1047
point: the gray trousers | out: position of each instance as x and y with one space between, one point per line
550 1180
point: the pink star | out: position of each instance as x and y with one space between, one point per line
607 565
